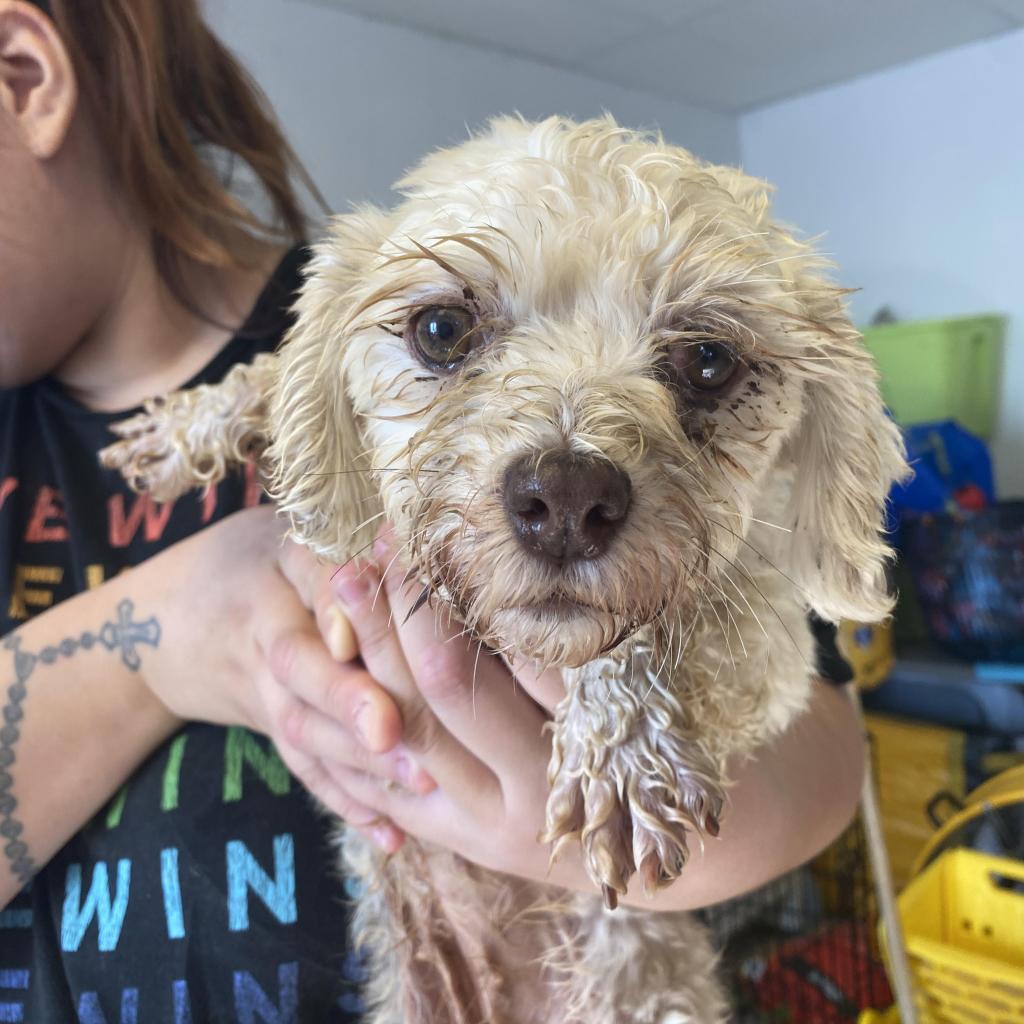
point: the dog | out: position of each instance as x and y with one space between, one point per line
622 425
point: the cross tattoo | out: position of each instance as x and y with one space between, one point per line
126 634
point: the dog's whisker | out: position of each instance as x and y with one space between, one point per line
746 601
764 558
771 607
418 603
368 470
352 557
718 592
476 666
725 632
716 588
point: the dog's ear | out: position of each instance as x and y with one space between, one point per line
321 471
846 454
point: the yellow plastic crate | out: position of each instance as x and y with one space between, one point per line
890 1015
1002 792
912 761
963 922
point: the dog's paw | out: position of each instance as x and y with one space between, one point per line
149 454
634 806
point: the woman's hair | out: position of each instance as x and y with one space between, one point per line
175 112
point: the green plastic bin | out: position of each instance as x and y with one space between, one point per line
941 369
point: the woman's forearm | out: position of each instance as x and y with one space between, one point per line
78 717
95 684
785 806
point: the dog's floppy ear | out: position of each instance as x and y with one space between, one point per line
321 473
846 454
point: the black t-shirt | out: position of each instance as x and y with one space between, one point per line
207 890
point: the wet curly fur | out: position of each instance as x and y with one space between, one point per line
593 259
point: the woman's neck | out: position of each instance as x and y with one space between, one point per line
145 342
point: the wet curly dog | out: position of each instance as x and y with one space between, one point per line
622 424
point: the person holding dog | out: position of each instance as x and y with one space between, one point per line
175 676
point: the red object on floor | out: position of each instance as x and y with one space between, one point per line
813 979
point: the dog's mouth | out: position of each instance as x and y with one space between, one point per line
561 630
559 606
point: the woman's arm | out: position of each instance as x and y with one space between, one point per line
785 806
216 628
79 716
480 735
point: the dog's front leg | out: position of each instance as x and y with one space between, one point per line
192 438
629 779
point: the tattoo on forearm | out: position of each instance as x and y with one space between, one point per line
123 634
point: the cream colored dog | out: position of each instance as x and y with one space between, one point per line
622 425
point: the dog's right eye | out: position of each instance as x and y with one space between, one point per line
443 336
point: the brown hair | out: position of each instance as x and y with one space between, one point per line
174 111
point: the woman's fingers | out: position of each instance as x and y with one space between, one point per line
336 797
547 688
367 606
419 815
321 737
338 634
469 690
301 569
311 582
301 664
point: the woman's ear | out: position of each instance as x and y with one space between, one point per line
322 476
846 454
38 90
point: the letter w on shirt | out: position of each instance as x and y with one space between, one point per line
109 912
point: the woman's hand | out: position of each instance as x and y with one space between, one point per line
480 733
475 728
252 634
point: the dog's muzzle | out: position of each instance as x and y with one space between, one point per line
564 506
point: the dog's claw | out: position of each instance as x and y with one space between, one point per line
632 820
141 450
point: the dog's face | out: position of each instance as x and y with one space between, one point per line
572 364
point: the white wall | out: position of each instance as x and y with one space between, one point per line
916 175
362 101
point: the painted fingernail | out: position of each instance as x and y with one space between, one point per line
364 721
384 837
354 583
423 782
382 549
341 638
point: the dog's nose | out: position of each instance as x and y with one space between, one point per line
564 506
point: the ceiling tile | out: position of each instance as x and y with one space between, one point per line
658 12
558 32
727 55
1011 8
785 29
747 53
553 31
681 65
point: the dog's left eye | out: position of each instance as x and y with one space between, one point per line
444 335
706 366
